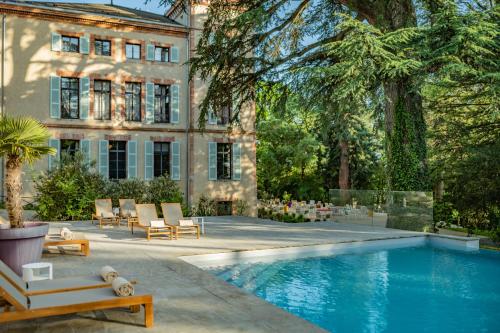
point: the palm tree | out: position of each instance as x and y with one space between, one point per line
22 140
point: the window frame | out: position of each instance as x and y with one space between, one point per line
163 154
71 39
131 94
133 45
221 168
223 120
102 41
164 51
72 91
70 151
102 92
115 168
167 105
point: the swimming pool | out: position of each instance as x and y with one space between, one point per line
412 289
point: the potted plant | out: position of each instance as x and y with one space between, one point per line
22 140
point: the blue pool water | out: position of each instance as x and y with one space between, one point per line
417 289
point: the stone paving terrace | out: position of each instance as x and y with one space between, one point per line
186 298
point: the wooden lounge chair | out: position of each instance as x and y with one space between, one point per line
51 286
147 213
128 212
104 213
21 307
80 240
172 213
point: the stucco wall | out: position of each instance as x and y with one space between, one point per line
29 63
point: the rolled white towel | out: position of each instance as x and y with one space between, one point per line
66 234
108 274
122 287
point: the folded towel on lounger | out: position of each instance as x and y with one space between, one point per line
186 223
107 215
108 273
157 224
122 287
66 234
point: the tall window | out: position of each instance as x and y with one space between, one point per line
161 54
70 98
133 101
224 161
102 47
225 116
117 159
162 103
70 147
102 100
70 44
133 51
161 158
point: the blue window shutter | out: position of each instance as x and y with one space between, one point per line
85 149
212 161
104 158
150 102
236 152
175 161
56 42
54 143
55 97
84 44
174 108
132 159
150 52
148 160
174 54
84 97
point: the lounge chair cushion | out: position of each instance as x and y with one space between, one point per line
186 223
157 224
107 215
74 297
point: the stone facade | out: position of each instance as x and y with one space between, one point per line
33 72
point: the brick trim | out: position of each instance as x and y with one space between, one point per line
71 136
223 140
163 81
160 138
141 128
123 137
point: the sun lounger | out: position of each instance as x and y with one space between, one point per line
104 213
51 286
146 214
79 239
172 213
21 307
128 212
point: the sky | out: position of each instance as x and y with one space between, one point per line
151 6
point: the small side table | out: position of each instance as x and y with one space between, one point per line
200 220
37 271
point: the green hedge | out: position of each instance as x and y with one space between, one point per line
68 192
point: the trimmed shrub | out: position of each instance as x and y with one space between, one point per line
68 192
205 207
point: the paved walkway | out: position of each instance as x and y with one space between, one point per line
186 298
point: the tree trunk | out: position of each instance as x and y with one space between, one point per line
405 136
404 120
344 165
13 188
